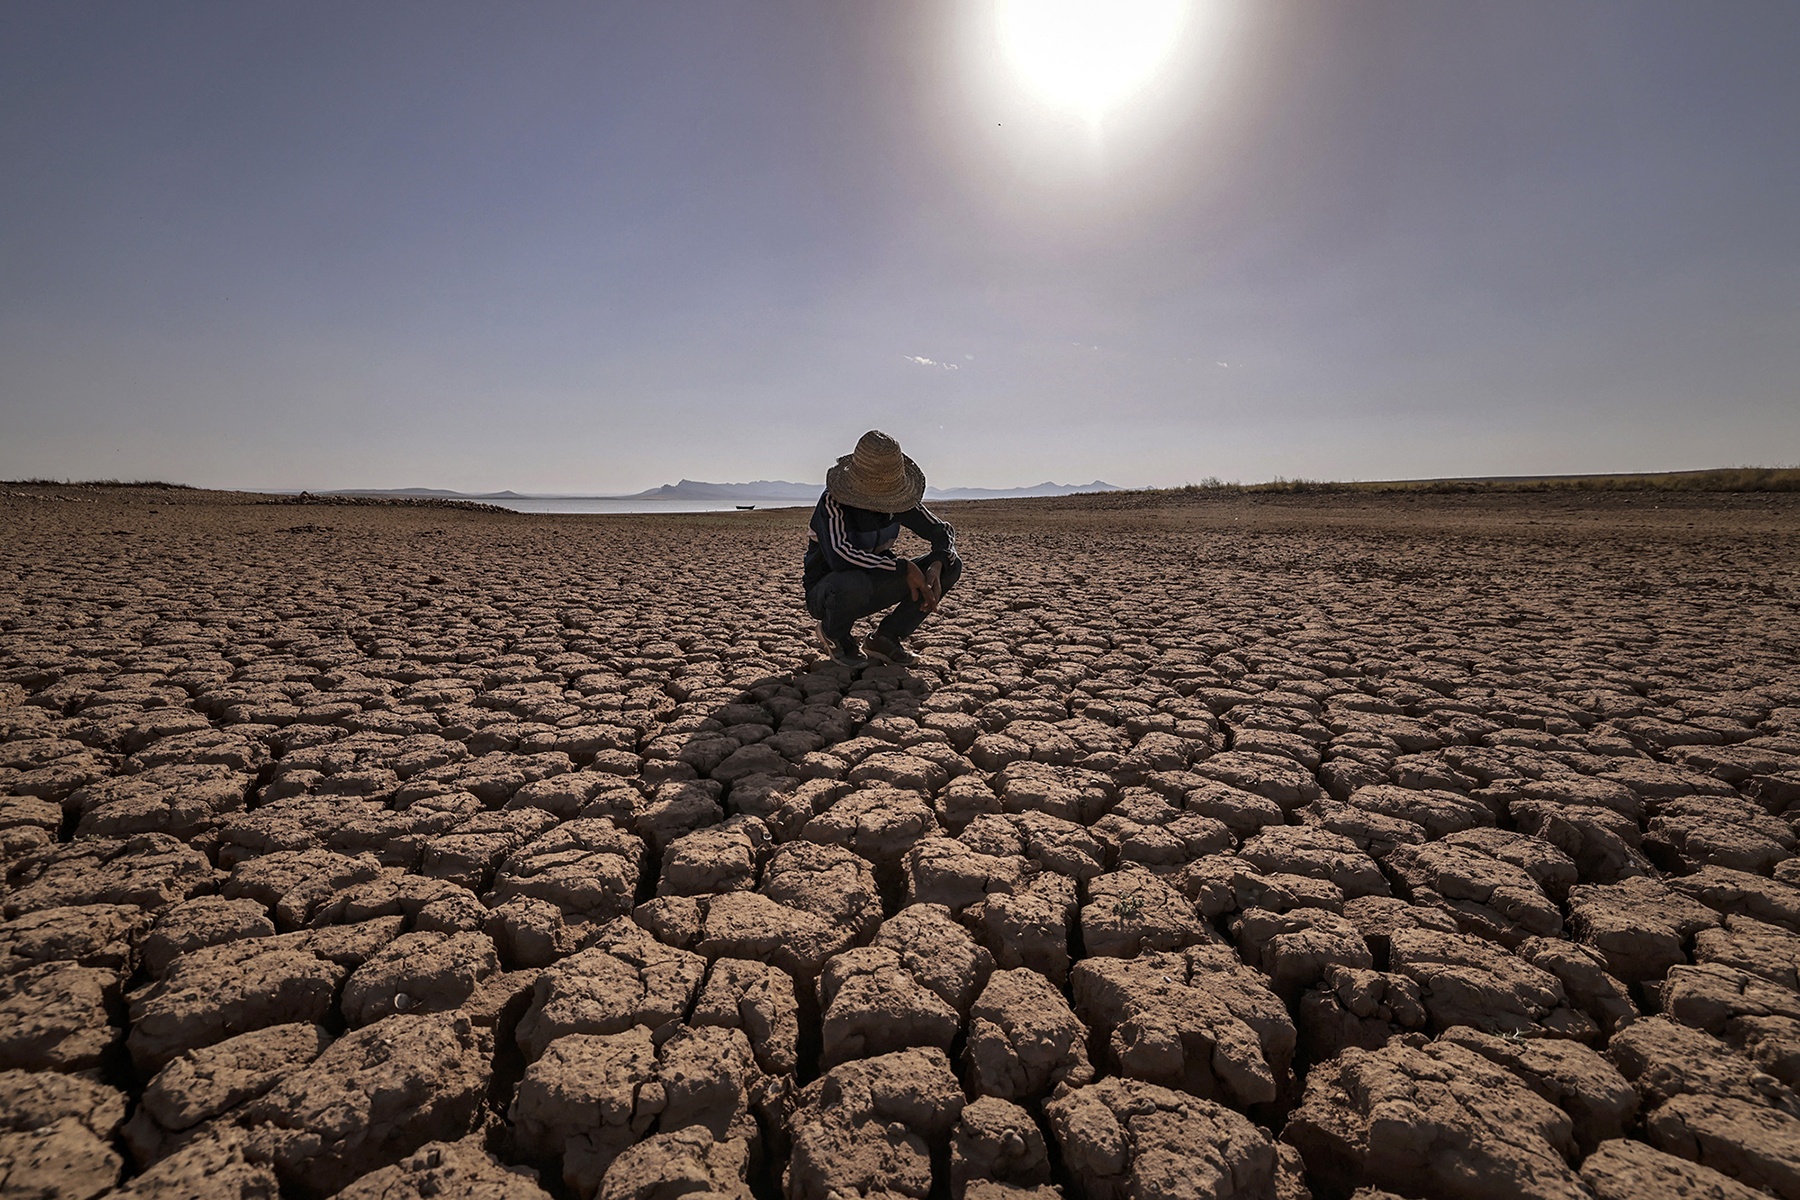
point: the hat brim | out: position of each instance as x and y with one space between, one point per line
846 489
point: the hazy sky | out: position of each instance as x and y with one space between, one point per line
600 246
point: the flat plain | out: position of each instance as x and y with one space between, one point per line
1218 846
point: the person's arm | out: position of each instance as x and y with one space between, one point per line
842 554
927 586
940 534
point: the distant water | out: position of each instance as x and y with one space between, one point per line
600 504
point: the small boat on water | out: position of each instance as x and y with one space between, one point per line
746 507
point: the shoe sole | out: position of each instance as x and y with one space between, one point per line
908 661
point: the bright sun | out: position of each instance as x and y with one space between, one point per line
1087 55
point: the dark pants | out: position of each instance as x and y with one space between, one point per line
843 597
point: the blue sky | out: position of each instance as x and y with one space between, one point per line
598 247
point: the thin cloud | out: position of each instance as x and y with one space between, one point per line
928 362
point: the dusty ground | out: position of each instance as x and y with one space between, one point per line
1235 848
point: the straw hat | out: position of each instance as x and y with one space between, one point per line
877 476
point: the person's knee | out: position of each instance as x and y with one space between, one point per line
844 591
953 571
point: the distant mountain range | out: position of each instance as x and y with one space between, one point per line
783 489
759 490
1037 489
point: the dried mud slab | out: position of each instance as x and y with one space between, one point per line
1443 1117
1262 847
1123 1138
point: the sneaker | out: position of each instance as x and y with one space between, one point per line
844 653
883 646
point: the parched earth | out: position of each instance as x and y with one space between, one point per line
1255 847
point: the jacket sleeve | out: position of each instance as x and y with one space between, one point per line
940 534
833 536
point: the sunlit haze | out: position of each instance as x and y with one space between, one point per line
594 248
1088 55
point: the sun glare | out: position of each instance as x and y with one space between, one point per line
1088 55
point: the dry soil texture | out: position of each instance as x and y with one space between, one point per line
1215 848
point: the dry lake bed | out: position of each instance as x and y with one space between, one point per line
1253 846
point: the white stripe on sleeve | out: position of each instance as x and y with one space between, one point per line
840 541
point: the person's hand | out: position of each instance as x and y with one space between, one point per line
915 582
934 588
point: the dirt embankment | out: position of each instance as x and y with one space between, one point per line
1242 847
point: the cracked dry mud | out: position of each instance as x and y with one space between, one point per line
1412 846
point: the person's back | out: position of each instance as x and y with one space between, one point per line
851 570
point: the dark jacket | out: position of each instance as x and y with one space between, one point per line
846 539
